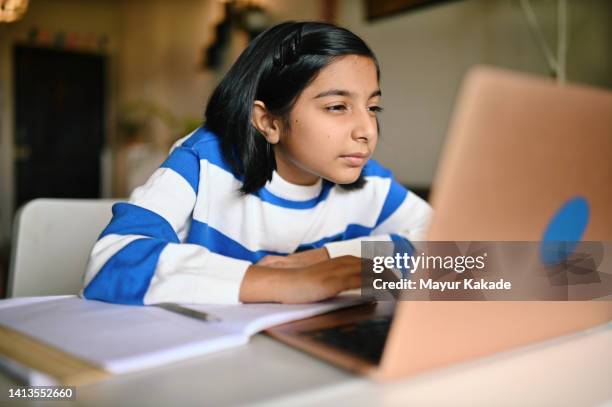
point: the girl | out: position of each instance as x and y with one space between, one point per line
270 199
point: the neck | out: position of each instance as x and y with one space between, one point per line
291 172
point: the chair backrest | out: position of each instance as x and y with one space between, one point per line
52 239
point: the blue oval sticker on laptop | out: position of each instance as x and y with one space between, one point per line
564 231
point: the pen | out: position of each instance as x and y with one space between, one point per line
188 312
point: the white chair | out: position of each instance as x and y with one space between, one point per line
52 239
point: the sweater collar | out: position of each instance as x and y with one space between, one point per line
284 189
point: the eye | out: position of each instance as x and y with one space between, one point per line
375 109
336 108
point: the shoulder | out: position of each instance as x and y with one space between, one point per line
199 138
205 145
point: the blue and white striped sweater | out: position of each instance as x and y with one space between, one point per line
188 235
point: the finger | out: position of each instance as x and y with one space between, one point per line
268 260
352 282
348 265
276 264
263 261
346 283
280 265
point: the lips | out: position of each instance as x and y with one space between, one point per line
355 159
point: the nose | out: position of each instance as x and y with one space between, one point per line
366 126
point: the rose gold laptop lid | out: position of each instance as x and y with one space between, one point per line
518 149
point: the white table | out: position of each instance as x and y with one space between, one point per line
571 371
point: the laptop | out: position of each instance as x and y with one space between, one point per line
518 147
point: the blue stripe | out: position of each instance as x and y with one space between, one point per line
126 276
352 231
374 169
269 197
208 147
199 135
130 219
185 162
402 245
396 195
215 241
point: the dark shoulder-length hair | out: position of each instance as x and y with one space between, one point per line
275 68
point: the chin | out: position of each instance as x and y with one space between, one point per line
346 178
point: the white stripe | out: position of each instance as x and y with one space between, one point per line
190 273
170 196
352 247
258 225
361 207
410 220
103 250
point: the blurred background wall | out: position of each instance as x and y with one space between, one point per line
157 57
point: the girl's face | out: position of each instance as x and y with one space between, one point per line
333 129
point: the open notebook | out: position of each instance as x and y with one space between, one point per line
114 339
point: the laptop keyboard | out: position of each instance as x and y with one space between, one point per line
365 339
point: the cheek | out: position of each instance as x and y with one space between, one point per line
317 134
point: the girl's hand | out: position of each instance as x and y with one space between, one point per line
321 281
301 259
303 284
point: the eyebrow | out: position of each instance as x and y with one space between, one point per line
341 92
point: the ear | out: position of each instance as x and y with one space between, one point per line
265 122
